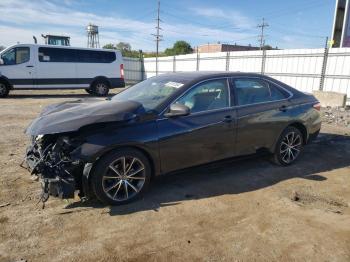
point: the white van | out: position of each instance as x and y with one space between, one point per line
32 66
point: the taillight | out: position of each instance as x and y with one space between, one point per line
317 106
121 70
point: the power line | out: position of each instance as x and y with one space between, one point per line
212 26
261 36
283 30
292 11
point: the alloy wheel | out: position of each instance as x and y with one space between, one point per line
101 88
290 147
124 178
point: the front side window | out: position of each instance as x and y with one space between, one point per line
210 95
16 56
252 91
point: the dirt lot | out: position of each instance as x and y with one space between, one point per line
239 211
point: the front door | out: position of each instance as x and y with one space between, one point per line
206 134
18 67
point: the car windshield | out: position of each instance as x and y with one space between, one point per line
151 92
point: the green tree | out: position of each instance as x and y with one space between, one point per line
125 48
267 47
109 46
179 48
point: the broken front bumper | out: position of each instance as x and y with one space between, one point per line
59 175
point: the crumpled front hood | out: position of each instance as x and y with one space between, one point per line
70 116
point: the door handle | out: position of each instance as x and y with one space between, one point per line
30 66
283 108
227 119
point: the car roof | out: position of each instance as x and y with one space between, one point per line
190 78
208 74
62 46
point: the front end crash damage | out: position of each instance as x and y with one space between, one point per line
49 157
58 134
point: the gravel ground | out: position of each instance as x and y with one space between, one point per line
249 210
336 116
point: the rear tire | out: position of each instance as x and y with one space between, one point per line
288 147
4 89
100 88
121 176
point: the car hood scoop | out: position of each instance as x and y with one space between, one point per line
71 116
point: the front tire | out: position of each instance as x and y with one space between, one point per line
4 90
100 88
121 177
288 147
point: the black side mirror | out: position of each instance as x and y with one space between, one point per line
178 110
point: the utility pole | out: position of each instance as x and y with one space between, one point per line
157 36
324 64
262 36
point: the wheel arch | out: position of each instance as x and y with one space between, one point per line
300 126
87 178
5 80
100 78
142 150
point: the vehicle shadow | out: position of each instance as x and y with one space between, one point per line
234 177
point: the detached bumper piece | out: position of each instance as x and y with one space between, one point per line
51 162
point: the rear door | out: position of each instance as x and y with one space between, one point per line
262 112
97 63
206 134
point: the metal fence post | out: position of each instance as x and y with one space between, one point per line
174 64
228 61
142 65
263 61
198 58
324 65
156 65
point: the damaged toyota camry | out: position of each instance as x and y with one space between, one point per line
111 148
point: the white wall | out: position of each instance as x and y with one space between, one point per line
300 68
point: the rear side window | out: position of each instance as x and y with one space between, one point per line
15 56
48 54
90 56
252 91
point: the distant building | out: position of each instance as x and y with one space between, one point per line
211 48
218 47
56 40
341 24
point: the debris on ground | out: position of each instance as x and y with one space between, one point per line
339 116
323 202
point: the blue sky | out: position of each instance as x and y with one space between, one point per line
292 24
